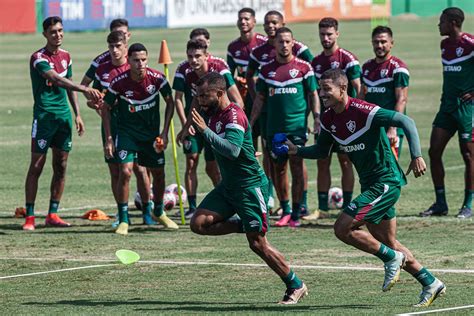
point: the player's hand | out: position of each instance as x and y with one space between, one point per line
109 148
316 126
93 94
418 166
392 135
164 138
181 137
94 105
292 148
191 130
198 120
80 127
469 96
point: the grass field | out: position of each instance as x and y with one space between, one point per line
170 279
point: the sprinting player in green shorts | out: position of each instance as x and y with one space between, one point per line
357 128
51 72
243 189
455 112
135 95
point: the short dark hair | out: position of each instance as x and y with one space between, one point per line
247 10
382 29
274 12
214 81
116 36
118 23
136 47
454 14
199 31
50 21
283 29
329 22
196 44
338 76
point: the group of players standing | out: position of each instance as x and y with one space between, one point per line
276 107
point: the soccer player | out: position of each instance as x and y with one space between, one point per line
198 64
455 112
357 127
385 81
202 34
238 54
135 95
51 73
260 56
243 189
333 57
284 85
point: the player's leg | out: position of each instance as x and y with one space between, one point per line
304 196
268 169
323 185
212 168
143 188
347 179
158 175
31 187
123 185
191 181
282 187
297 187
114 176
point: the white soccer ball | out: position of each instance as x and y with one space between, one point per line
138 199
169 201
173 188
335 198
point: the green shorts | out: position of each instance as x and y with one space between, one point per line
51 132
249 203
297 140
374 204
460 121
195 144
129 149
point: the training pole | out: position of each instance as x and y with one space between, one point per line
165 60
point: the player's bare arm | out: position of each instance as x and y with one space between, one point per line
168 116
188 128
198 120
257 108
72 96
315 106
234 95
109 147
469 96
356 83
86 81
178 100
56 79
401 96
251 82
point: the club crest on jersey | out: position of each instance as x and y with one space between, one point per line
459 51
122 154
383 73
218 127
42 143
334 64
64 63
151 89
351 126
294 72
129 93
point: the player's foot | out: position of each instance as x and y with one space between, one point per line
117 221
189 213
292 296
122 229
303 211
464 213
392 271
148 220
430 293
317 214
284 220
56 221
294 224
435 209
29 223
168 223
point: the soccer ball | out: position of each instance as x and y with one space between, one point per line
138 199
173 188
335 198
169 201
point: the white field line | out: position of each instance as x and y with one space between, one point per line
56 271
438 310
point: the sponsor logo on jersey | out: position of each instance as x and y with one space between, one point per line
64 63
105 76
283 90
451 68
376 89
140 107
442 51
51 64
161 161
122 154
352 206
237 53
294 72
334 64
351 126
351 148
151 89
318 67
459 51
42 143
366 72
465 136
265 56
272 74
333 128
218 127
69 144
129 93
383 73
254 223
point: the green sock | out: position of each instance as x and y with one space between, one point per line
292 281
30 209
158 210
123 212
285 206
270 187
192 201
468 196
295 213
146 209
346 198
53 207
323 201
385 253
424 277
440 195
304 200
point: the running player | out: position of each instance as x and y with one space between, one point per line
385 81
332 57
51 73
356 127
243 189
188 72
135 95
284 85
455 112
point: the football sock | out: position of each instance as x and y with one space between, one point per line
323 201
385 253
30 209
53 207
270 187
346 198
304 200
146 209
158 210
192 201
424 277
285 206
295 214
123 212
292 281
468 195
440 195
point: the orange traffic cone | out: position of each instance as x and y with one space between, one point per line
165 57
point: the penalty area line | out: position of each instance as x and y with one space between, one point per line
59 270
438 310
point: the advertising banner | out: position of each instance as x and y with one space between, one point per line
81 15
17 16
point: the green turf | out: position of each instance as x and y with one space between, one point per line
151 288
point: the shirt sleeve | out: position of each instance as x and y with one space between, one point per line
69 70
310 81
229 81
353 70
320 150
261 84
306 55
401 78
253 64
91 71
165 88
178 82
229 146
230 62
111 96
41 65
